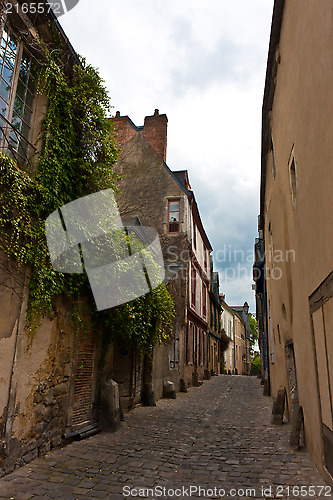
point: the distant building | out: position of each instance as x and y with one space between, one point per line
235 322
218 341
164 200
244 337
294 260
228 327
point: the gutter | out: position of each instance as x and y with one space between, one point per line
62 33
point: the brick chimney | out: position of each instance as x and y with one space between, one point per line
155 131
124 128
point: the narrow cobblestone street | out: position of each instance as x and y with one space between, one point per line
215 436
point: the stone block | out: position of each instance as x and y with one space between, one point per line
30 456
60 390
148 397
278 407
110 408
169 390
56 441
44 448
195 379
182 385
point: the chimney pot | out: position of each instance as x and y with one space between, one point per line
118 114
157 112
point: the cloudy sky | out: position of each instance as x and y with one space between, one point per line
203 64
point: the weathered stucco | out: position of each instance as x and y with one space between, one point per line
298 210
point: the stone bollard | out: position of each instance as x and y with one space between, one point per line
169 390
207 375
182 385
278 407
148 396
296 427
110 408
195 379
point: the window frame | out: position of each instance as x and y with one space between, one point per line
194 235
193 286
292 169
204 301
9 128
174 200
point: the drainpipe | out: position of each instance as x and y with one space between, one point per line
233 318
268 390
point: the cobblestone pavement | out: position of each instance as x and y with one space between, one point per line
215 436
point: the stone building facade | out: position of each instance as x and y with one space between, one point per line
294 257
164 200
48 378
228 327
218 341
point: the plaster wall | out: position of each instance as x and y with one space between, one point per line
299 232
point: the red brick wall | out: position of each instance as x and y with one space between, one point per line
155 131
124 128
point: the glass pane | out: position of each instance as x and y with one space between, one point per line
13 139
25 130
173 216
4 41
8 68
9 153
16 122
4 92
31 84
27 115
29 99
24 67
23 148
21 90
18 106
3 107
12 42
2 51
2 125
174 206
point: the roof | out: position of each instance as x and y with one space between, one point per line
180 177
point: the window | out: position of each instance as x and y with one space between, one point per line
273 159
173 216
189 343
17 89
205 258
204 348
193 286
292 176
174 352
194 235
211 315
204 301
201 347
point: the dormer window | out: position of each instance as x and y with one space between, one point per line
173 216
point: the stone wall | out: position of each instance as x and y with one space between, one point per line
35 413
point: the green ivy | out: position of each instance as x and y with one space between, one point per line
77 159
